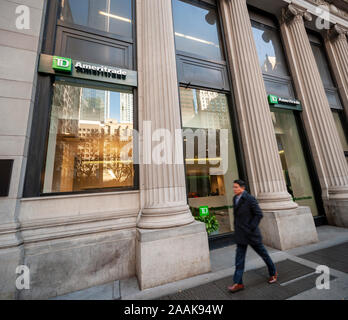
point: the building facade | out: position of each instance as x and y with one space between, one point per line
125 123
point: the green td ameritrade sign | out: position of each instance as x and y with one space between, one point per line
86 70
285 103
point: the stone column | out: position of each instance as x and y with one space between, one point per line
337 49
170 245
163 185
259 141
283 224
319 123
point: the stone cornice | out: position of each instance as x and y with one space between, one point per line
331 8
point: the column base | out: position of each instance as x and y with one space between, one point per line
288 229
168 255
276 201
337 212
165 217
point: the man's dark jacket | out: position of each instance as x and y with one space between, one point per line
247 216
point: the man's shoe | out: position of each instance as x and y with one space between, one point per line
236 287
273 279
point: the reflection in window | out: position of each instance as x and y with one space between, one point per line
330 89
269 50
114 16
208 184
90 142
196 30
323 67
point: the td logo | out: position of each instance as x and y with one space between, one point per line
272 99
204 211
62 64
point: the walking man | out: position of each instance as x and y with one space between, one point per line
247 216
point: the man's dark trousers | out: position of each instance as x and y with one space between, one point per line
247 216
240 260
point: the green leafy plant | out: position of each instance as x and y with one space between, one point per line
211 223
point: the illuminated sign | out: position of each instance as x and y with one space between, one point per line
86 70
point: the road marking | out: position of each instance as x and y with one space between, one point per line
297 279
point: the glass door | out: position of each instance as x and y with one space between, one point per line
209 154
294 164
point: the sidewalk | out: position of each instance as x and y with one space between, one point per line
296 269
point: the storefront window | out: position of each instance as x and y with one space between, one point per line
114 16
269 49
293 162
90 143
196 30
325 74
323 67
271 57
210 159
330 89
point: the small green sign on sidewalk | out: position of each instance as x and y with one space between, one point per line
204 211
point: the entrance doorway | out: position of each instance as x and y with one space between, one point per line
210 159
293 160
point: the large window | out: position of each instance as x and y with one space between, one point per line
90 139
210 159
331 90
114 16
207 118
196 30
81 139
271 56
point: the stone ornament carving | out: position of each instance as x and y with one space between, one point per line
294 13
337 32
331 8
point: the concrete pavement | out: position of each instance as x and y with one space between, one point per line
296 281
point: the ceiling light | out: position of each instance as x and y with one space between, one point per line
114 16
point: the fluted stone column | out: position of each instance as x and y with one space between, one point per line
336 44
163 185
259 141
318 119
170 246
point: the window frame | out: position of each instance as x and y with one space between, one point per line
40 124
185 59
238 146
204 5
328 89
100 86
102 33
269 77
317 40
